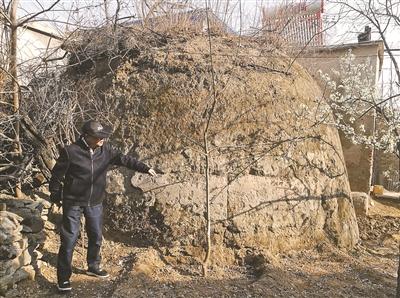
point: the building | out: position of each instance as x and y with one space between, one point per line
37 42
364 166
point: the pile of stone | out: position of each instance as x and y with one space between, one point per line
21 234
361 203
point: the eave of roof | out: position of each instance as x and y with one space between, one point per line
378 43
373 43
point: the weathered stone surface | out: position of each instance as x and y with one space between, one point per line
16 250
24 207
37 254
115 182
7 238
33 205
361 202
9 226
49 225
46 204
20 274
26 229
12 250
277 178
36 238
8 267
13 202
16 219
35 223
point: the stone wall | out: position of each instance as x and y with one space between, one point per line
21 234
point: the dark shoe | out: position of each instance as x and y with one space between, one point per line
97 272
64 286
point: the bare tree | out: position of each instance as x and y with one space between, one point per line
37 127
209 112
15 85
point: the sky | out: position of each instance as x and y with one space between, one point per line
241 15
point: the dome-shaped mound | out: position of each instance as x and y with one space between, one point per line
277 175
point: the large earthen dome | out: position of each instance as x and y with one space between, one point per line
277 176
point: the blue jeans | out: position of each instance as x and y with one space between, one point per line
70 232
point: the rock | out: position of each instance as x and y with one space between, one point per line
115 182
26 229
37 254
16 218
147 183
36 259
34 223
11 293
28 212
6 197
16 249
38 179
3 207
7 238
16 203
9 226
8 252
3 237
12 250
256 172
33 205
9 280
39 264
49 225
36 238
361 203
8 267
45 191
46 204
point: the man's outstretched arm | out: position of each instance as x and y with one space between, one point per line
120 159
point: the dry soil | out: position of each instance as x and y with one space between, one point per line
369 270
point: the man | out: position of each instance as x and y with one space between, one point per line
78 182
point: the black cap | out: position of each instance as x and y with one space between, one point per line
96 129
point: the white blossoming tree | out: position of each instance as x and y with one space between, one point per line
355 103
384 20
356 98
360 113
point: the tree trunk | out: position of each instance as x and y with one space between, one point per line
207 215
209 114
15 89
44 149
398 278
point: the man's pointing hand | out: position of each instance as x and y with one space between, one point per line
152 172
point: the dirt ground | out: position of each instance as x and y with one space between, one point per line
369 270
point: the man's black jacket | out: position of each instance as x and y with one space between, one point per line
79 176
